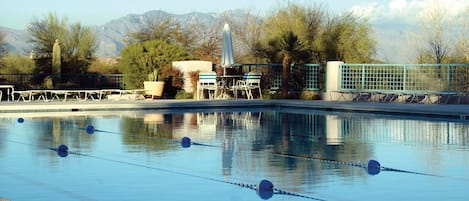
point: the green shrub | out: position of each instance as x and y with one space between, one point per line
140 59
16 64
181 94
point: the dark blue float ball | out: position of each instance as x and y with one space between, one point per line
62 150
186 142
90 129
265 189
374 164
20 120
374 167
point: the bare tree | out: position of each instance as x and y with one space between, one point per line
209 37
159 27
434 35
461 48
246 33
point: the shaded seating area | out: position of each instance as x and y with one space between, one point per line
251 82
211 86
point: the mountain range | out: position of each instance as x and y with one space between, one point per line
111 35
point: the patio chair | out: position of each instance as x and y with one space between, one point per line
207 81
251 81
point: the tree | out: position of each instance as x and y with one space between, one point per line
247 32
461 47
208 42
78 44
15 63
305 21
347 38
435 39
140 59
166 28
159 27
290 48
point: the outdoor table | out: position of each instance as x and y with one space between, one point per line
10 90
227 81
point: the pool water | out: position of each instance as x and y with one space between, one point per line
306 155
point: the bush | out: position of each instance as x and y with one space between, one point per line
16 64
104 66
181 94
140 59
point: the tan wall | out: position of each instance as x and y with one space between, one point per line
189 66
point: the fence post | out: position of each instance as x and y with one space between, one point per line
448 78
332 79
363 76
405 78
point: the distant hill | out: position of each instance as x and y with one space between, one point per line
16 40
111 35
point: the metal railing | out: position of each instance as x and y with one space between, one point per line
371 77
404 77
302 76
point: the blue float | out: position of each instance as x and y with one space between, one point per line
20 120
374 167
62 150
265 189
90 129
185 142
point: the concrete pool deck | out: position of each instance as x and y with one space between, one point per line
446 111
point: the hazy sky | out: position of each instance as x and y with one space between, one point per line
392 14
18 13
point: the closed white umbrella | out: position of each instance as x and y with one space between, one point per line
227 56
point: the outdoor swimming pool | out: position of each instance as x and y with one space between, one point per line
123 155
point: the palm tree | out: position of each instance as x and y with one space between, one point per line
290 48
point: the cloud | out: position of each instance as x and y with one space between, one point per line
395 22
398 4
408 11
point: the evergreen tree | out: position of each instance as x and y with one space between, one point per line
140 59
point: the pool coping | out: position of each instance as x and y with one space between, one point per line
444 111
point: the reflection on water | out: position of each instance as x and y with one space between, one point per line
252 145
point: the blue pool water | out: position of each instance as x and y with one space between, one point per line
307 155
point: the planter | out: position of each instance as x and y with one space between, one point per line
153 118
153 89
